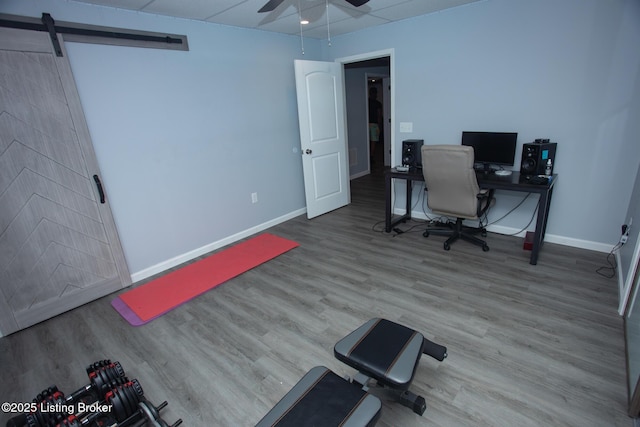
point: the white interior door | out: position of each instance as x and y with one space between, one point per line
319 87
59 247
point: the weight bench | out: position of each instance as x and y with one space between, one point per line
386 355
322 398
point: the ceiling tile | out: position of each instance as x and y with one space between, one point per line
192 9
122 4
399 11
343 17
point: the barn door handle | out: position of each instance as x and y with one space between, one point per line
99 185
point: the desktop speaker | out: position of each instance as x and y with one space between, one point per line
411 154
535 157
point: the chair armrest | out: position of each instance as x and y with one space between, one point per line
485 198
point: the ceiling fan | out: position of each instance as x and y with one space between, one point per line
272 4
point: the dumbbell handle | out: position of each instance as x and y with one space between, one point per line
78 393
144 423
150 417
103 374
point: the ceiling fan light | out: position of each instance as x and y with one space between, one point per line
304 21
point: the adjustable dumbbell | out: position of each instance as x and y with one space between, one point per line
70 421
34 418
102 376
108 385
52 398
124 400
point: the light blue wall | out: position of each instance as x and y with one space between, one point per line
184 138
561 69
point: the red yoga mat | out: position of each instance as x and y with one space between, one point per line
144 303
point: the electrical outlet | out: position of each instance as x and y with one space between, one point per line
254 197
626 228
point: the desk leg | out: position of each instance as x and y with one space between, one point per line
407 212
387 203
388 215
541 225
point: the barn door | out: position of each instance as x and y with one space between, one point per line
59 247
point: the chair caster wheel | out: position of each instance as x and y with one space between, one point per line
447 247
425 234
419 406
485 248
484 233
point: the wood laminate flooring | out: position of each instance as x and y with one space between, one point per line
528 345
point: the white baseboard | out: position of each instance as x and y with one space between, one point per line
170 263
551 238
622 298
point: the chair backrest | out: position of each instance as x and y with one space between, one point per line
452 186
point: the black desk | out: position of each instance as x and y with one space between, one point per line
489 181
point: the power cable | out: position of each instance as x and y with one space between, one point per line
612 267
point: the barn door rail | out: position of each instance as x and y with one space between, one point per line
84 33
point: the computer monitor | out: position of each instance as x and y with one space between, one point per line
492 148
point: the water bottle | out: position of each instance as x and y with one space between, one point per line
548 168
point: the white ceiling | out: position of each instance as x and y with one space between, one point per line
343 18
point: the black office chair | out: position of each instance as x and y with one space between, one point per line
453 191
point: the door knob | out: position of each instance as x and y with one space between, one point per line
308 151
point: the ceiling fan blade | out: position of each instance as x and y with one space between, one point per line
270 5
357 3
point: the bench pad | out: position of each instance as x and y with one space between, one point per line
323 399
384 350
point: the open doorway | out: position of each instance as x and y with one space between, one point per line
378 106
361 74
